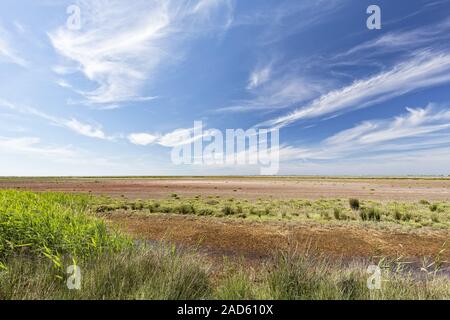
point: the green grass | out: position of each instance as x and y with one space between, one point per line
165 273
135 273
415 215
53 225
299 277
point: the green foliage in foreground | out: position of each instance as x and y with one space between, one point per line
164 273
293 276
419 214
144 273
53 225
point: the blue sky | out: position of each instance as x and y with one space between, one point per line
106 99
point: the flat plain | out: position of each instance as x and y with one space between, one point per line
401 189
256 237
237 226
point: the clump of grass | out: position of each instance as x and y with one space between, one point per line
228 210
137 205
293 277
302 277
397 215
185 209
325 215
337 213
435 217
407 216
205 212
237 283
424 202
354 204
370 214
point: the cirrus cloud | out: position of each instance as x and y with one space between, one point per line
120 46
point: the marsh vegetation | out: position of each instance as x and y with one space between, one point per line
42 234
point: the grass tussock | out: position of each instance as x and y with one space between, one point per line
354 203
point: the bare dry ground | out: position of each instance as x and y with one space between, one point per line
249 188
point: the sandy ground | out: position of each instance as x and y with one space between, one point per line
250 188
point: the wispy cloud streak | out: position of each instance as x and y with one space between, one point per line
81 128
121 45
7 52
418 129
423 70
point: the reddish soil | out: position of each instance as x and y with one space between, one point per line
250 188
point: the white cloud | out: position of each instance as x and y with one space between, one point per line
32 145
19 27
142 139
416 123
7 52
31 156
63 83
81 128
120 45
417 162
282 19
424 70
206 11
175 138
403 40
283 91
418 129
259 76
